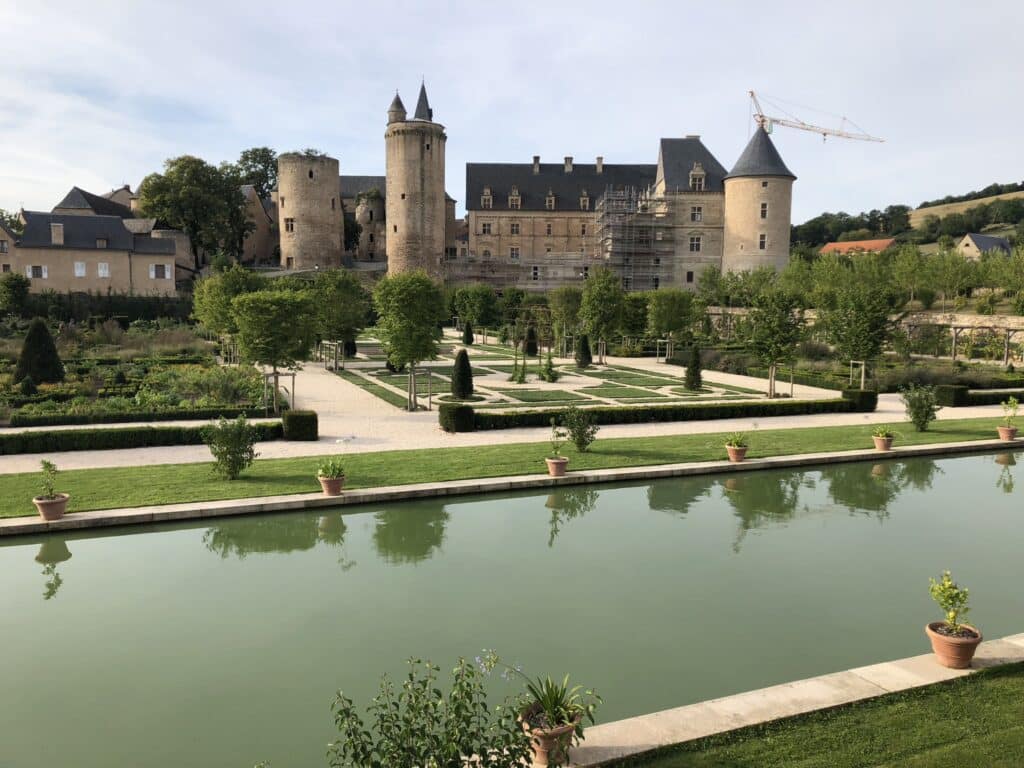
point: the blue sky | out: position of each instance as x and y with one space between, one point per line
99 94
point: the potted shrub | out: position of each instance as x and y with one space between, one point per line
736 446
953 641
555 460
883 437
1008 429
331 475
51 505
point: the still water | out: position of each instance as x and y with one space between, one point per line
223 643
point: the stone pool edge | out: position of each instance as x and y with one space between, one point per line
15 526
635 736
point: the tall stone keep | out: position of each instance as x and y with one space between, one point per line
310 218
758 201
415 198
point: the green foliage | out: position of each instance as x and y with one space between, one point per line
467 334
27 387
419 725
477 305
952 395
864 400
39 358
258 166
530 347
986 305
634 314
1010 406
602 304
670 313
300 425
556 703
882 432
548 372
775 326
454 417
342 305
583 357
858 326
212 297
581 427
231 443
921 404
275 328
42 441
694 380
737 440
331 468
48 481
565 304
13 293
951 598
10 221
559 435
462 376
410 307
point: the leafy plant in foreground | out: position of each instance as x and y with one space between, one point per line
231 443
922 405
580 426
951 598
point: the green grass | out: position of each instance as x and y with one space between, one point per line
620 393
972 721
373 388
129 486
539 395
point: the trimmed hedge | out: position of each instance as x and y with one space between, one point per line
123 417
455 417
864 400
961 397
954 395
110 439
300 425
651 413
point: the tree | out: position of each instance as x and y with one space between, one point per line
275 328
237 224
212 297
951 273
776 324
342 306
602 304
858 325
565 309
258 166
467 334
410 308
353 231
39 359
908 270
477 305
530 347
13 292
462 376
693 377
583 358
670 314
11 221
509 303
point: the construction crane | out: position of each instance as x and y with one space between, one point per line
765 122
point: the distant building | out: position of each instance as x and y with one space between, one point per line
859 246
974 245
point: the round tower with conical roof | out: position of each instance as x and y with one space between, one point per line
758 204
415 198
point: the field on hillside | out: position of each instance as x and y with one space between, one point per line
918 215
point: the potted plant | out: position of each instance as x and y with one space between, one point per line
883 437
555 460
1008 430
736 446
953 642
331 475
51 505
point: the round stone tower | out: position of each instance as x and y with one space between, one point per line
310 218
758 202
414 199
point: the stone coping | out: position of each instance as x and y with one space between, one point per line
304 501
609 742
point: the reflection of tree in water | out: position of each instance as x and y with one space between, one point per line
762 498
410 533
277 534
1005 480
676 496
567 504
863 488
52 552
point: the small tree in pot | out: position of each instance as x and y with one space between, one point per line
953 641
555 460
331 475
1008 429
51 505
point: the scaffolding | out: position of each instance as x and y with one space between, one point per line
634 237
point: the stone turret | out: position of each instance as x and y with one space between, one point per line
310 219
415 197
758 204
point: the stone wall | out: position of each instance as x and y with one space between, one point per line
415 196
744 225
310 220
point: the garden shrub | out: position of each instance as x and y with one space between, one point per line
693 377
986 305
39 358
27 387
580 425
954 395
300 425
454 417
864 400
231 443
530 347
467 334
349 348
36 416
927 297
583 356
112 439
462 376
921 405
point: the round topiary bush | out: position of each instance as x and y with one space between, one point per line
462 376
39 358
583 357
467 334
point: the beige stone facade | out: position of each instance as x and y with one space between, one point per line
757 223
310 218
260 244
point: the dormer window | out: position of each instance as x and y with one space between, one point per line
515 202
486 201
584 201
549 201
697 177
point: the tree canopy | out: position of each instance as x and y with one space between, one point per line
410 308
213 296
670 313
342 305
602 304
775 325
258 166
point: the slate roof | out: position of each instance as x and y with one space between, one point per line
988 243
81 200
760 158
860 246
533 187
353 185
423 110
675 161
154 246
82 232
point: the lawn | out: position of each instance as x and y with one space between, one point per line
972 721
540 395
173 483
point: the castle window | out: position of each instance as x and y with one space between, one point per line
371 237
395 229
547 249
584 203
657 235
695 244
627 283
486 254
535 273
583 229
5 267
101 242
485 228
515 202
403 195
697 182
764 185
549 201
762 242
657 261
486 200
311 173
37 272
332 204
289 262
689 277
428 146
371 215
289 225
513 252
586 273
79 269
282 201
548 230
656 282
764 210
513 228
159 271
3 246
697 213
103 269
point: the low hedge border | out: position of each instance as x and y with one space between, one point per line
952 395
958 396
864 400
300 425
651 413
110 439
59 419
456 417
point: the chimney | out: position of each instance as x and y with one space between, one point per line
600 164
536 164
693 135
568 163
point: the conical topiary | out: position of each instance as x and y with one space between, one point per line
467 334
39 358
693 378
350 348
583 358
462 376
531 342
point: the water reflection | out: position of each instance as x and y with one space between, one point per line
567 504
279 534
52 552
762 498
676 498
860 488
1005 480
409 534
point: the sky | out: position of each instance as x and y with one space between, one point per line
99 94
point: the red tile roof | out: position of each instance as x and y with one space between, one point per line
860 246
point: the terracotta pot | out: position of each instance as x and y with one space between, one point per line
331 485
882 443
51 509
550 745
1007 433
953 652
736 454
556 467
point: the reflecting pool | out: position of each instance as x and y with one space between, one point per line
223 642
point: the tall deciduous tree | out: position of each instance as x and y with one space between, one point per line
212 297
670 313
565 304
410 308
477 305
342 305
258 166
908 270
951 273
776 324
601 305
858 325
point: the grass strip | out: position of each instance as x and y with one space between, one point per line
114 487
373 388
540 395
976 720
